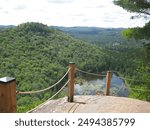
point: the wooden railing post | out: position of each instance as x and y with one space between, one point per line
7 95
71 82
108 80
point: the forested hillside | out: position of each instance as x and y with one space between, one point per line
37 56
129 57
98 36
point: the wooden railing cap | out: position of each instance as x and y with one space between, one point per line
71 63
6 79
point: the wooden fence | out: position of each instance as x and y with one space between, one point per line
8 90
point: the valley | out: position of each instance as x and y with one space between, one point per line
38 55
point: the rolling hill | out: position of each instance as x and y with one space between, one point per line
37 56
99 36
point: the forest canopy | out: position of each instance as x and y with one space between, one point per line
142 10
38 55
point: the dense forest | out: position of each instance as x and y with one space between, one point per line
38 55
98 36
129 57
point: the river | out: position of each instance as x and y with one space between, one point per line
95 86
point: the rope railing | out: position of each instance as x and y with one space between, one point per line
108 78
99 75
59 90
42 90
49 98
133 80
123 78
140 90
10 84
129 78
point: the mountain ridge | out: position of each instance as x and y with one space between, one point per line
95 35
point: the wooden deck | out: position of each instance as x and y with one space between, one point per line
94 104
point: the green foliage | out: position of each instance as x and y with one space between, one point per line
138 33
131 62
27 107
37 56
142 8
128 33
128 57
137 6
96 35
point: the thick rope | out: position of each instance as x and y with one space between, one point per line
39 91
133 80
49 98
140 90
60 90
99 75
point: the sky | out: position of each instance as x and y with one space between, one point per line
95 13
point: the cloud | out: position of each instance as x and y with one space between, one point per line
6 12
93 7
108 20
100 13
20 7
60 1
100 6
86 20
7 0
78 15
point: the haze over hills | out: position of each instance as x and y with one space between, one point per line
97 35
6 26
93 35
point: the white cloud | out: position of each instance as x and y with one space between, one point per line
101 13
20 7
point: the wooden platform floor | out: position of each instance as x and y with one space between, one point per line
94 104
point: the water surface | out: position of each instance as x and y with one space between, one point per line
94 85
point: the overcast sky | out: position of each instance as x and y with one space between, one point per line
99 13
